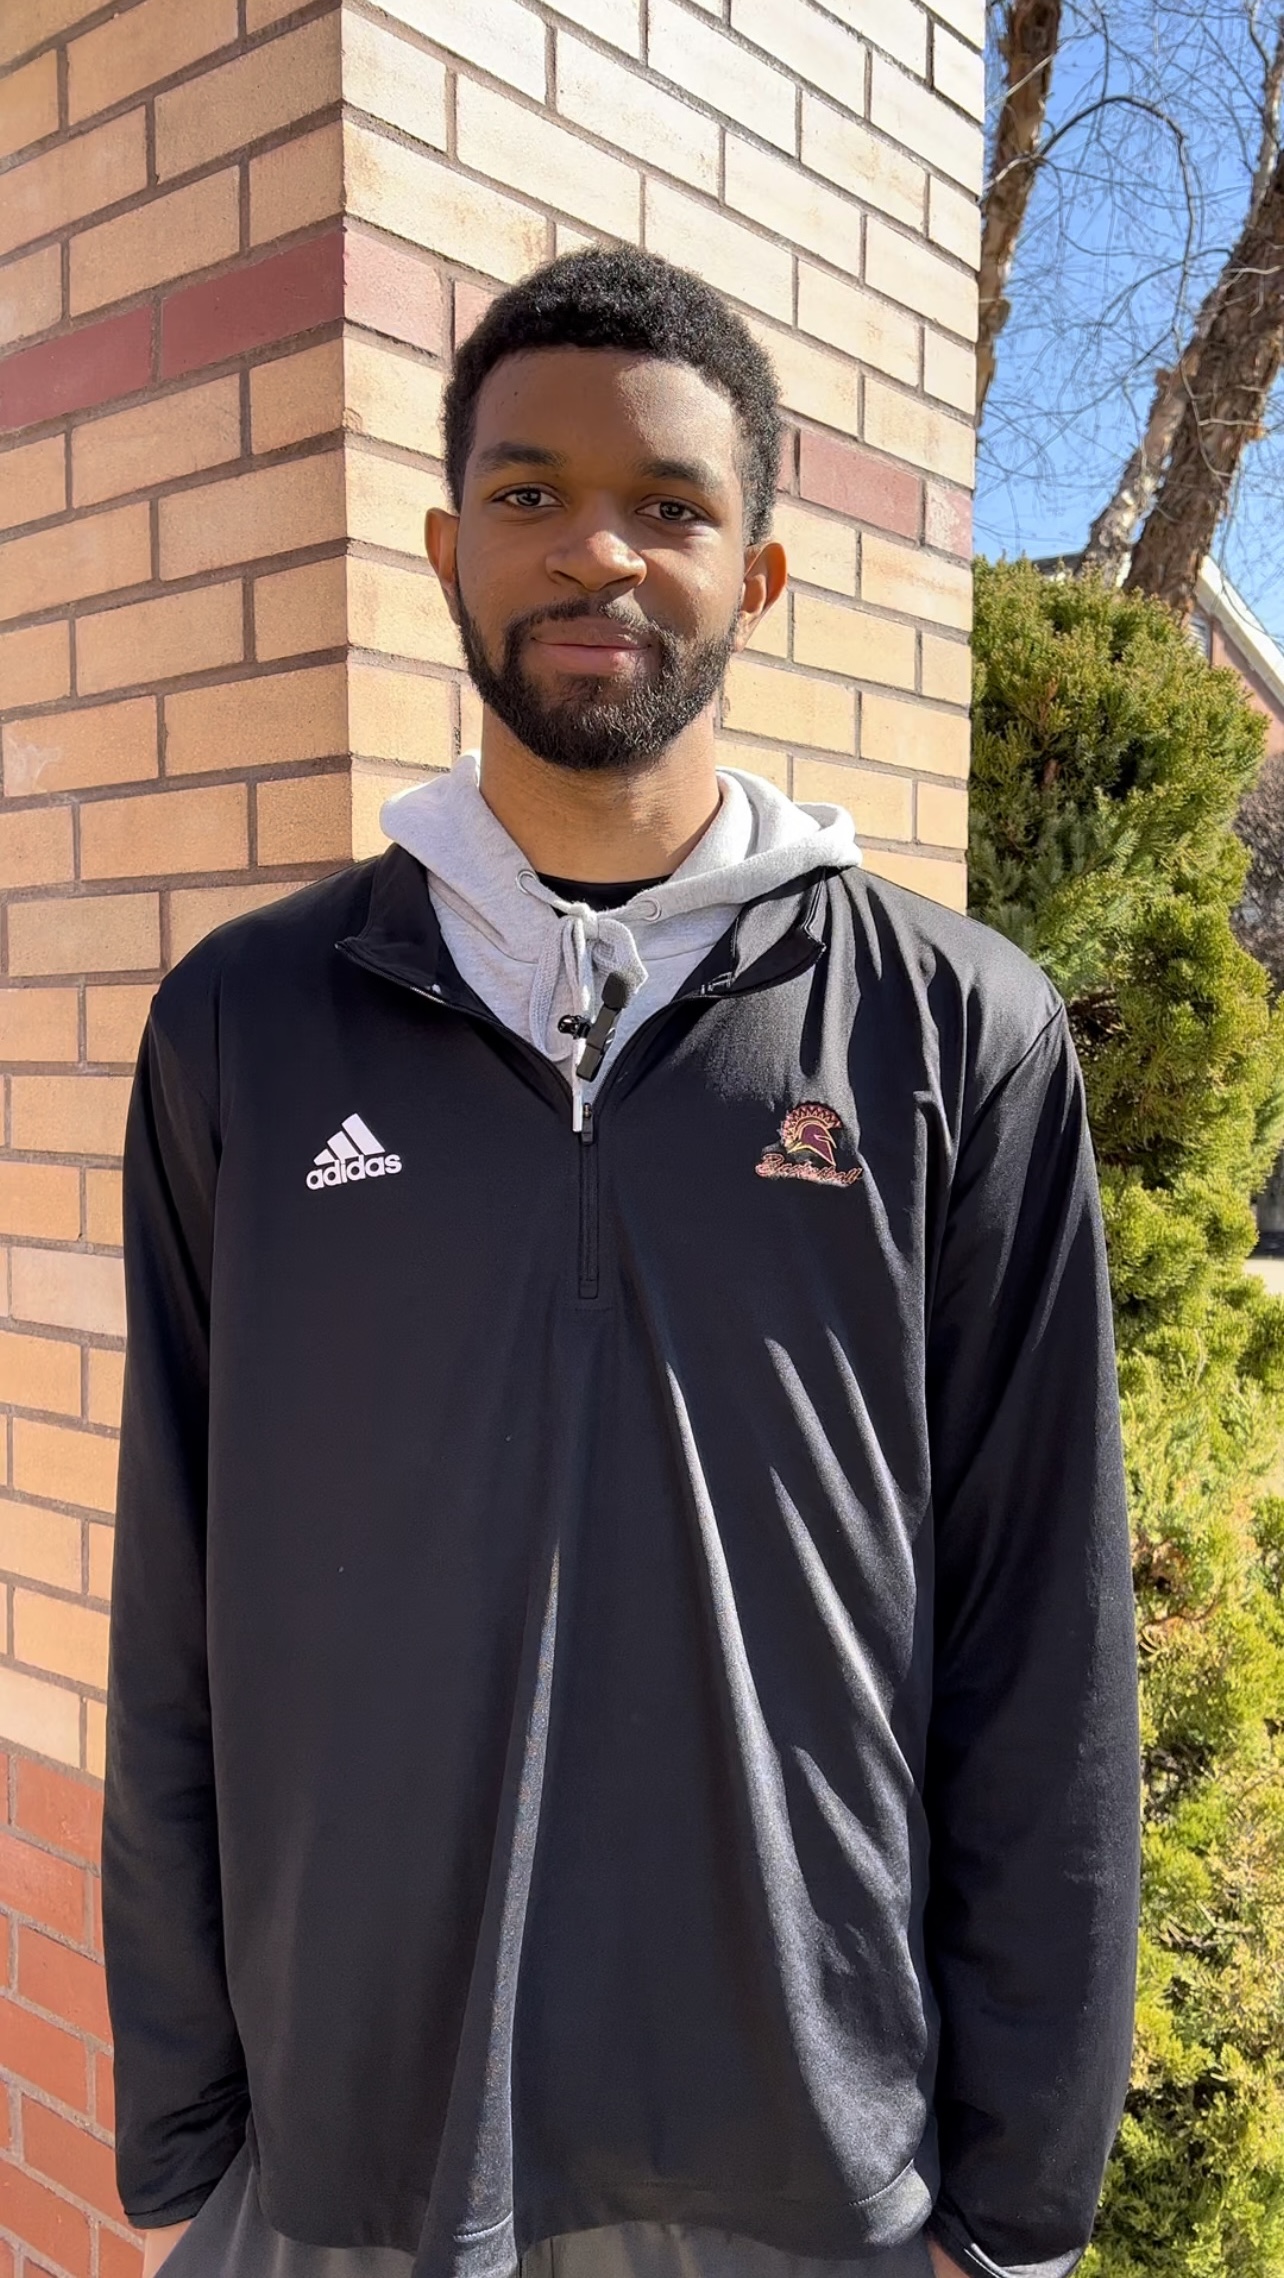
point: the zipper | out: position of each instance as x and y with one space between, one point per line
588 1208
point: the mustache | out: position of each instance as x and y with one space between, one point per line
619 613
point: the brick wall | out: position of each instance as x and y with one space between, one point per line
237 243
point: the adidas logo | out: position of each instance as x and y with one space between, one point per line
352 1152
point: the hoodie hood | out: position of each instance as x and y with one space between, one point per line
538 960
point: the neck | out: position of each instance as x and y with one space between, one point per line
600 826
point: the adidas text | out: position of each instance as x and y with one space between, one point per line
350 1154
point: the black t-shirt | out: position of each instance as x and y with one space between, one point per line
597 892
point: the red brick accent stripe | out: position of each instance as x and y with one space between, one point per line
389 289
247 307
854 481
80 369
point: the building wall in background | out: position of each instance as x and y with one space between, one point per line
237 244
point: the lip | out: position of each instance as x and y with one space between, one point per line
589 645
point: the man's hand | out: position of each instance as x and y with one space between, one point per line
943 2264
157 2244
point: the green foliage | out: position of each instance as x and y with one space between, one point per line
1108 762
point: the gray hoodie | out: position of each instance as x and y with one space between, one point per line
534 958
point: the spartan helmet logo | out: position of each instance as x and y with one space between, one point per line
807 1148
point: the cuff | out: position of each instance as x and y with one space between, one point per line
945 2227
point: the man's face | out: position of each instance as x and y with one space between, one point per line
597 571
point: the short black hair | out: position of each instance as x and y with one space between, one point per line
619 297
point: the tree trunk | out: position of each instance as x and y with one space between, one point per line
1222 410
1028 45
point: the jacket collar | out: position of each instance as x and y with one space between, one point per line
771 939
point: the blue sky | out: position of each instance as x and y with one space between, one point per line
1130 222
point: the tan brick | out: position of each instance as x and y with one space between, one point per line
788 707
753 759
248 516
812 381
68 1115
260 13
67 751
940 881
398 715
36 21
896 26
910 429
810 45
638 116
115 1016
144 45
106 1384
911 273
189 229
295 396
29 104
40 1372
306 818
396 398
394 81
74 559
921 122
43 1717
526 151
160 831
420 198
30 294
903 734
168 435
195 911
98 933
820 549
770 636
372 782
301 609
966 17
102 1546
947 670
723 252
297 183
949 370
102 1209
881 806
703 61
263 722
958 73
69 1289
35 665
779 195
41 1199
95 1752
41 1546
157 640
39 1024
56 1634
33 481
66 1465
72 178
387 501
36 846
942 815
852 641
470 717
252 96
846 153
954 221
400 612
616 21
506 40
857 323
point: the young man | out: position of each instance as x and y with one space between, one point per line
622 1745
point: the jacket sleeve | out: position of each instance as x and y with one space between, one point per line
180 2076
1033 1773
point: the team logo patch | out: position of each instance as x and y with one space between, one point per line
807 1148
352 1153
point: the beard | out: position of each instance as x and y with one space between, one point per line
589 726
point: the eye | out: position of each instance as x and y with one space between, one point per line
527 494
675 510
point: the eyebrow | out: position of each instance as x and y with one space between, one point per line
511 452
507 454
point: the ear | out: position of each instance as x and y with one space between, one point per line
766 574
441 536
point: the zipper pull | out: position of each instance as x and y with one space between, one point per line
586 1126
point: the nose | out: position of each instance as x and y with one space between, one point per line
595 556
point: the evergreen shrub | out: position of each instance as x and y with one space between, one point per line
1108 762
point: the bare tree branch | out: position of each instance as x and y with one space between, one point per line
1030 30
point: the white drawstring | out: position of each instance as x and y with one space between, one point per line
580 951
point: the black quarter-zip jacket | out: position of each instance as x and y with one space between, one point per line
622 1698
